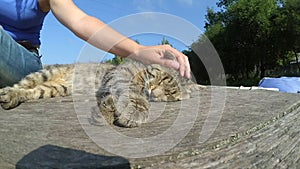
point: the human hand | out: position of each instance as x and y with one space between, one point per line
164 55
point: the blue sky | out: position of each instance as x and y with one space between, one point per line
59 45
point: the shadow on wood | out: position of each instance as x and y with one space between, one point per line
50 156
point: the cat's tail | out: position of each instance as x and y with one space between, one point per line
46 83
50 73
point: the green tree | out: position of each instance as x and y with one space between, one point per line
247 32
117 60
165 41
287 30
252 36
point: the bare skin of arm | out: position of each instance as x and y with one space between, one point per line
100 35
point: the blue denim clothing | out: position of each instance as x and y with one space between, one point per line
22 19
15 61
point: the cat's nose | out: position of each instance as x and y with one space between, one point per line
151 96
149 92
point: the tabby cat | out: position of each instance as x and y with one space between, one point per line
123 95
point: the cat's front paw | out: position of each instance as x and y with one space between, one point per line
9 99
131 118
107 108
133 114
124 111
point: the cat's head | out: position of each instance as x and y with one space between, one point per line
161 84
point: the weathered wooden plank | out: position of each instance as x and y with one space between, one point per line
258 129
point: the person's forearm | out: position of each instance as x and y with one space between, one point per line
104 37
92 29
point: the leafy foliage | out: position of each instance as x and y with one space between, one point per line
117 60
253 36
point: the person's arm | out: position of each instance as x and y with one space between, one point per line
103 37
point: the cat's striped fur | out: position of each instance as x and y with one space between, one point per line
52 81
123 95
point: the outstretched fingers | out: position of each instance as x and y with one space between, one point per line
182 61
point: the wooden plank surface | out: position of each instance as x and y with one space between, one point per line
257 129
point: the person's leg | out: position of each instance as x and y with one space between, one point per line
15 61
